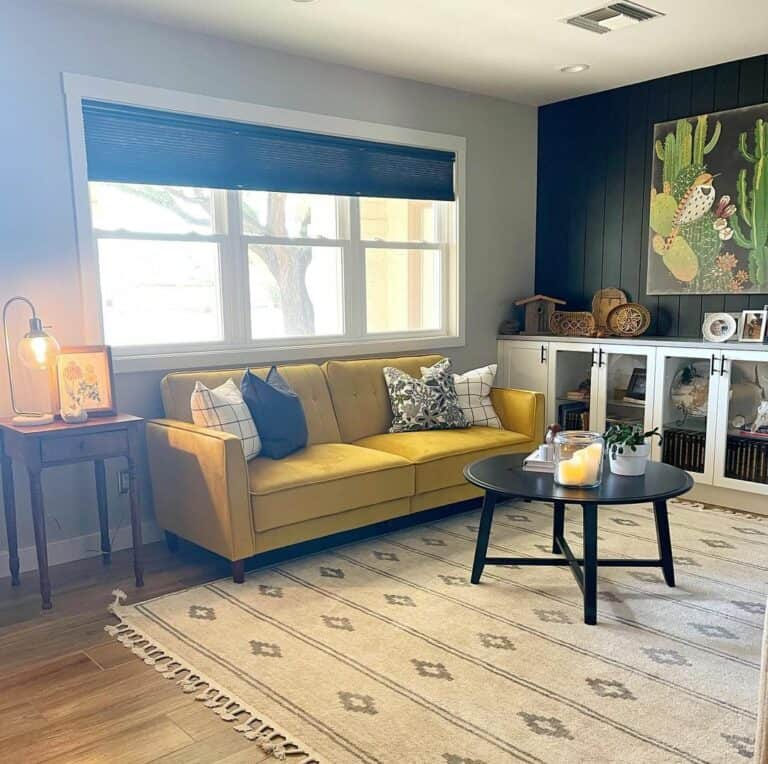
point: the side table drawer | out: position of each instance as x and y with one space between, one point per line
96 445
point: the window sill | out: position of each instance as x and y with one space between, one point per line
174 360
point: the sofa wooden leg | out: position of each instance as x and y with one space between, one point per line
238 571
172 541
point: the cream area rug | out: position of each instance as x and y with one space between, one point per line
381 651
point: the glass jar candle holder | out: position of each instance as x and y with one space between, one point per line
579 458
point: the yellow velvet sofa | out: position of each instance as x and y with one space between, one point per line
352 473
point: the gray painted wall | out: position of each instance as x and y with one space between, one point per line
38 254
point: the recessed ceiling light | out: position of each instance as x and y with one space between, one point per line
574 68
303 1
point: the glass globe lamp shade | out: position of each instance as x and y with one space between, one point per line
37 349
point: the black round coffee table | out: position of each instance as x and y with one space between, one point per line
502 477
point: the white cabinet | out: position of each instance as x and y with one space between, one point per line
703 398
685 409
616 382
740 455
523 365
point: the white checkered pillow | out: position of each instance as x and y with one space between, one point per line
474 391
223 408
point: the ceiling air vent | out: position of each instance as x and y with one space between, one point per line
612 17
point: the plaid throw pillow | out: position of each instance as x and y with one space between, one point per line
223 408
424 404
474 390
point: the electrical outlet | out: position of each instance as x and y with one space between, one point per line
123 482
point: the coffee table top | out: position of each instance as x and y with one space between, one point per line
504 474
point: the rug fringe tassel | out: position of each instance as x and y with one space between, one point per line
256 727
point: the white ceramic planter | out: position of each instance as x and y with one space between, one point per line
630 463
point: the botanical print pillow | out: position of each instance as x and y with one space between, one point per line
223 408
429 403
474 390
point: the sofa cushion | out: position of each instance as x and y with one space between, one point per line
441 455
324 479
277 411
360 396
429 403
307 380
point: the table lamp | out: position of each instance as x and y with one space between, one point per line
36 350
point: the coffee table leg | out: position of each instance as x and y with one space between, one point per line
483 533
590 563
558 525
665 541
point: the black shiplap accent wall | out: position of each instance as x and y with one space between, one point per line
593 193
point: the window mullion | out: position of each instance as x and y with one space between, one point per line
354 275
234 268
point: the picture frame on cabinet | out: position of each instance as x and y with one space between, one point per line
753 325
720 327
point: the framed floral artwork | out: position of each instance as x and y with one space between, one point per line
84 379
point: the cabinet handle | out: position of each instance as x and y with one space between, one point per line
600 358
722 365
712 365
593 356
541 356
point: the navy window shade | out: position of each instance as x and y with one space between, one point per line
128 144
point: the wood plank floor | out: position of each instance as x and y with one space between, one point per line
70 693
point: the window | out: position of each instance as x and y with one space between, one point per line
213 231
182 268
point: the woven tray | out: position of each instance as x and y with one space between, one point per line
572 323
629 320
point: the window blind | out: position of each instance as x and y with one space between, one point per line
129 144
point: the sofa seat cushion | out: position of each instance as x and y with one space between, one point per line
441 455
324 479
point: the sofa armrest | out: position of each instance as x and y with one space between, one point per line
520 411
200 486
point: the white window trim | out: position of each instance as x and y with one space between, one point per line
81 87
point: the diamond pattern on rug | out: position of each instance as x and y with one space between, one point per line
359 704
399 599
270 591
668 657
338 622
269 650
545 725
202 613
432 670
610 688
713 630
496 641
391 556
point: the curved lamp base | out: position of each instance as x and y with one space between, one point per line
32 420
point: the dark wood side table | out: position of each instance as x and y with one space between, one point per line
502 477
55 444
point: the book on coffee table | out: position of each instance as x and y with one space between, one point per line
536 462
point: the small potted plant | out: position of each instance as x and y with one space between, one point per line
629 448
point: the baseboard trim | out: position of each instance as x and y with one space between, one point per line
78 548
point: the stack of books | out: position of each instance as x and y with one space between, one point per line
537 461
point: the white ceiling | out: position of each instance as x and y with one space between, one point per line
507 48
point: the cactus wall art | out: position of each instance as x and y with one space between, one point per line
709 204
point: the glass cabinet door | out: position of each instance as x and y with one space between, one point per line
686 406
741 459
572 385
626 386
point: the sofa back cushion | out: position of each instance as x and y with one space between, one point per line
359 392
307 380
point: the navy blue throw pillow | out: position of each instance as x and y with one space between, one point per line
277 412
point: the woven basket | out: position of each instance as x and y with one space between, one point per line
572 323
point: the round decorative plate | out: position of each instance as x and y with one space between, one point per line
628 320
718 327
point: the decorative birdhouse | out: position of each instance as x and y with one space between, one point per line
538 310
